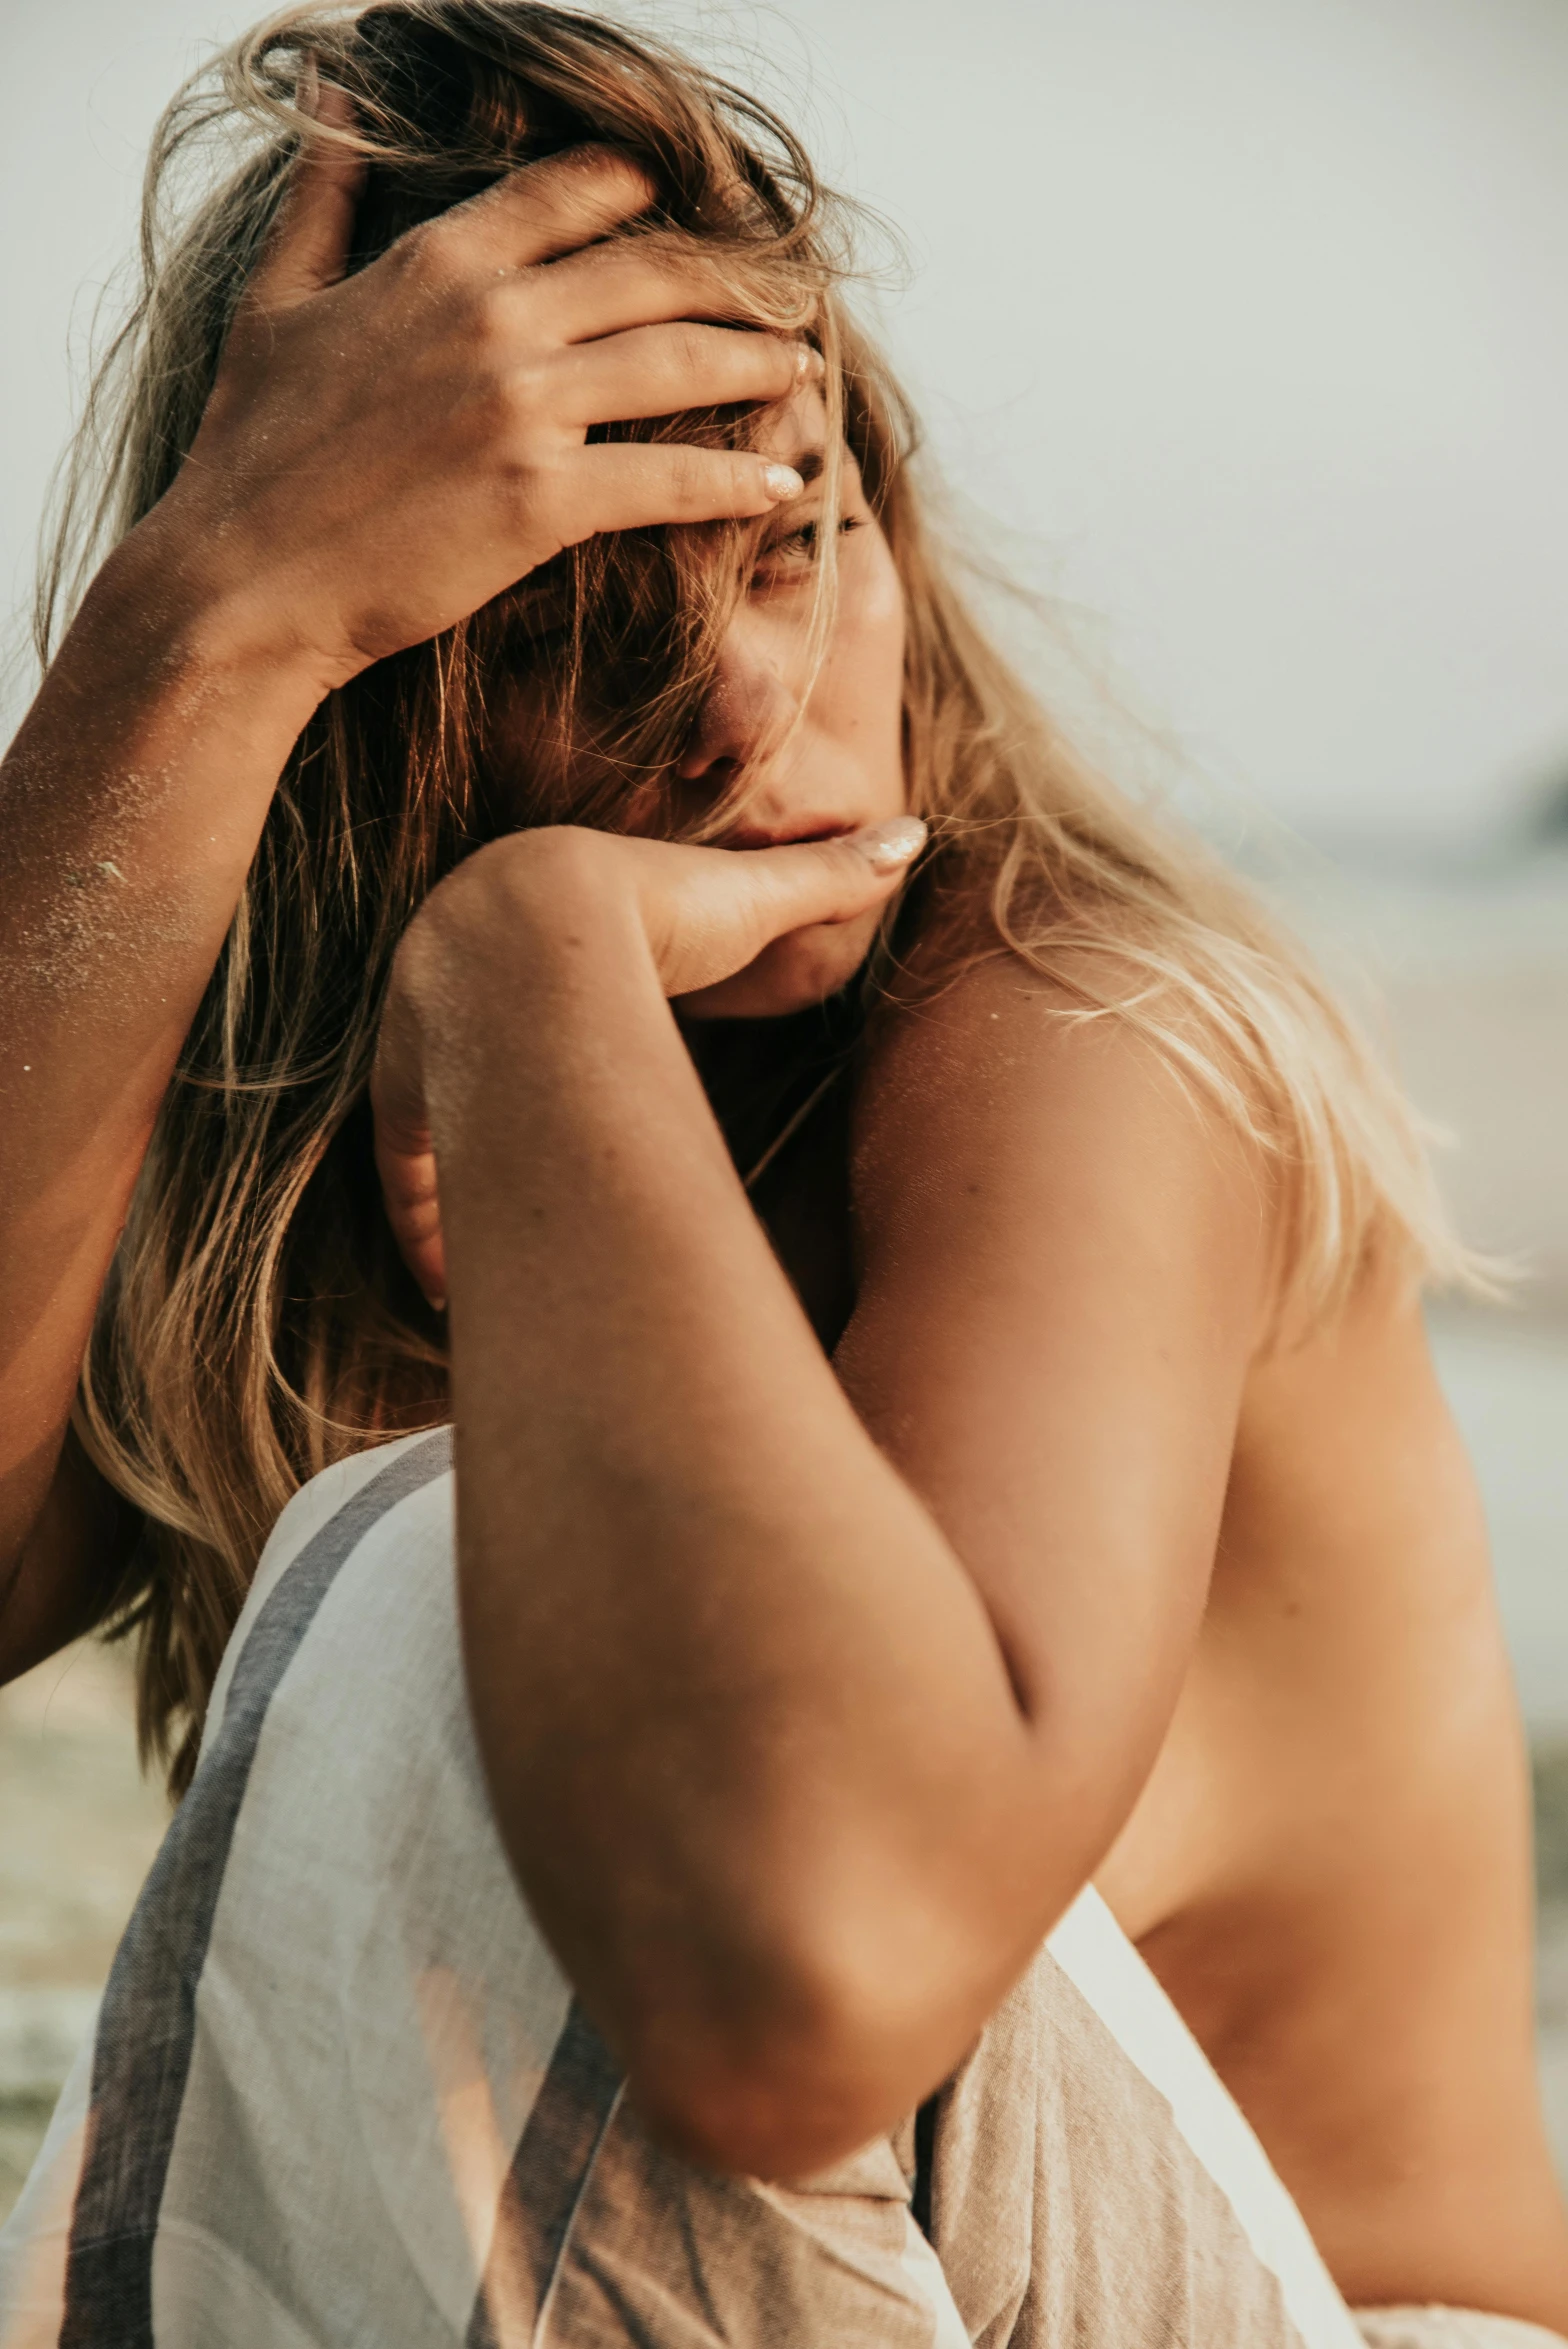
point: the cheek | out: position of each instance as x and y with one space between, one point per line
859 695
877 616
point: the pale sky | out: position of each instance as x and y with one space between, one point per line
1245 320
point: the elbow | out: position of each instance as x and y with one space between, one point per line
740 2115
805 2064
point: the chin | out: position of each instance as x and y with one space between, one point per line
790 975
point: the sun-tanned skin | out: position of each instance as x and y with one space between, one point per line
809 1692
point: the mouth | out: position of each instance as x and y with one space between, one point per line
789 835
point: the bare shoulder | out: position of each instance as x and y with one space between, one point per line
1252 1577
1063 1257
1009 1096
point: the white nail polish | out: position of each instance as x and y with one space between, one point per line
886 846
782 481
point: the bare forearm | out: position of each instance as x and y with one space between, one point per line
383 451
749 1732
130 806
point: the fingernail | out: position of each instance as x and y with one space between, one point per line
809 365
782 481
887 846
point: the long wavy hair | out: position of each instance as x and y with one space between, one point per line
257 1322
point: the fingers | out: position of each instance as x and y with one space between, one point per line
634 485
613 287
830 880
661 370
556 220
309 244
546 209
732 904
408 1187
405 1158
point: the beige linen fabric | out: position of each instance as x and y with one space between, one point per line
339 2095
1067 2210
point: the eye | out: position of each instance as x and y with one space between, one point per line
797 549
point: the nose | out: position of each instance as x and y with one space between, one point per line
748 707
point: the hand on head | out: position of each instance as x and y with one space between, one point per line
384 453
702 914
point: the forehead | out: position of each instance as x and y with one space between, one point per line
796 431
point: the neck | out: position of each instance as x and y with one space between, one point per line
759 1074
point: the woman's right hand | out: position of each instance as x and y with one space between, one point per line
696 915
383 453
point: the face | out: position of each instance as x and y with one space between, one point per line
823 751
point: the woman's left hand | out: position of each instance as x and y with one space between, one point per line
701 915
794 1678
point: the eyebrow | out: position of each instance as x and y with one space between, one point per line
809 465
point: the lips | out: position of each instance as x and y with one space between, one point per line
790 835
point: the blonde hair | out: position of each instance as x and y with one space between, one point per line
257 1322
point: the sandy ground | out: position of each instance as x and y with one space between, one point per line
79 1826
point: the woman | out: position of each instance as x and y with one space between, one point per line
520 621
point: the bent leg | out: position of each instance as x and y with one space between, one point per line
664 2256
1089 2184
1093 2183
1081 2196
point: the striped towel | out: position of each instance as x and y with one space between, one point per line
339 2091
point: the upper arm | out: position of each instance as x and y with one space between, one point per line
1064 1258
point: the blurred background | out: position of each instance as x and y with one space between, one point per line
1240 328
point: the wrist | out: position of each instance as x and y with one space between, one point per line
556 907
161 612
534 942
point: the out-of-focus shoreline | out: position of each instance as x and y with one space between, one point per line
1460 967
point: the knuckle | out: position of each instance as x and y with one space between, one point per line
523 394
491 322
418 256
507 407
606 172
518 499
537 488
491 416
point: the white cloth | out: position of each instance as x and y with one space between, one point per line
339 2092
1449 2328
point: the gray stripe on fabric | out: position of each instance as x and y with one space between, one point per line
545 2183
146 2026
